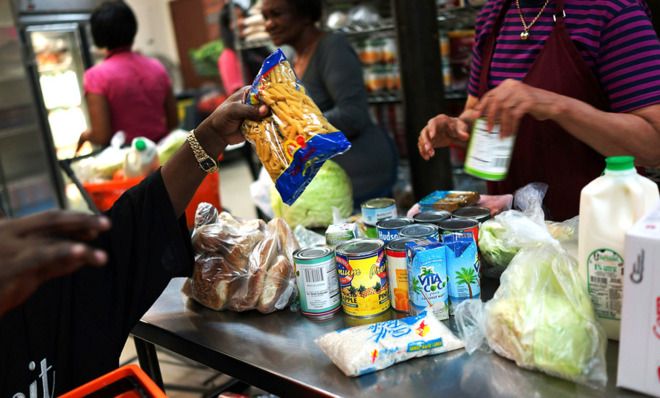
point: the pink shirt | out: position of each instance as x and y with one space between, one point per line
230 71
135 87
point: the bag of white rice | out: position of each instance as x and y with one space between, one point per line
365 349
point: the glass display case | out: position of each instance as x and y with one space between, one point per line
59 68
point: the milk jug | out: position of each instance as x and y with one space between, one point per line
141 159
609 206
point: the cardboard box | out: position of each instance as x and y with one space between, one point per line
639 347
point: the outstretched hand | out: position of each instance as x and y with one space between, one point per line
222 127
43 246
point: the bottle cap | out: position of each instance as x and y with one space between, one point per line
619 163
140 145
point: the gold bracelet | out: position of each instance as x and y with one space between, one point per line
206 163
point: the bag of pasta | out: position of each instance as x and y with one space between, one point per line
296 139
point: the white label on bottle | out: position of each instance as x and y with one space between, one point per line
605 281
488 153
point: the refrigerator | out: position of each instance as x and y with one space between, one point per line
57 48
28 181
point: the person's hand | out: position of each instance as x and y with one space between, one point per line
47 245
84 137
442 131
507 103
222 127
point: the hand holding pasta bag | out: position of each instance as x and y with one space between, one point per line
296 139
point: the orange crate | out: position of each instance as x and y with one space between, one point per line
126 382
104 194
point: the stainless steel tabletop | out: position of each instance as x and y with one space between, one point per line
277 352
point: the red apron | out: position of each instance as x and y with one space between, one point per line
544 152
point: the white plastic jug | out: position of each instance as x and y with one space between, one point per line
609 206
141 159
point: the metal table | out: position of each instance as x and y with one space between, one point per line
277 353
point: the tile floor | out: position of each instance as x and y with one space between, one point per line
180 375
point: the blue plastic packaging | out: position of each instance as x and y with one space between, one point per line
295 140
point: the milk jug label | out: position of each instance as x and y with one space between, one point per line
605 281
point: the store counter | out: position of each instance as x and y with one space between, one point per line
277 353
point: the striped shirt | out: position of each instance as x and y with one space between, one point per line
614 37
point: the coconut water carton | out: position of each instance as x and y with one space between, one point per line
427 278
462 268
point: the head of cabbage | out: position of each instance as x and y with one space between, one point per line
330 188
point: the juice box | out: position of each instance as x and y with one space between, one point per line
462 268
427 278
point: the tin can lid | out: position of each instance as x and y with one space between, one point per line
458 224
399 245
312 253
360 246
431 216
418 231
476 212
394 222
378 203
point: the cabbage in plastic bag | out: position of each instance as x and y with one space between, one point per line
501 237
541 317
331 188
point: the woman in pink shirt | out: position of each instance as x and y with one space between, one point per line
127 91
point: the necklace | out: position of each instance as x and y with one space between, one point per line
524 35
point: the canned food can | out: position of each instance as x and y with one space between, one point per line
371 231
318 285
374 210
460 225
431 217
363 279
420 231
397 273
488 154
480 214
389 229
337 234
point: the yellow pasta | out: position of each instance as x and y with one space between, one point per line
294 120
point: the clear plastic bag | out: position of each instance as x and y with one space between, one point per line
296 139
365 349
501 237
242 265
541 317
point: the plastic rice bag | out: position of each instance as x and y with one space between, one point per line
365 349
296 139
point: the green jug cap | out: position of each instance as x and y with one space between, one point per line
619 163
140 145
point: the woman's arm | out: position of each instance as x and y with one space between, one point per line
100 131
342 77
636 133
443 130
171 113
182 174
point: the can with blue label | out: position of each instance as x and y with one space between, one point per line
374 210
388 230
420 231
318 284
